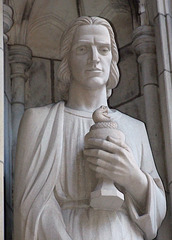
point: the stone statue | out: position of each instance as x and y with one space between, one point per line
55 174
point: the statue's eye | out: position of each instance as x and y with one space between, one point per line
104 50
81 50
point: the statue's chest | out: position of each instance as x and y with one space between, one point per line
75 180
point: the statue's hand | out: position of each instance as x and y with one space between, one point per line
113 159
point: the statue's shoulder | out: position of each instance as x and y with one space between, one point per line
41 111
131 121
37 115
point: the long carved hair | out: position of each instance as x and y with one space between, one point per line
64 73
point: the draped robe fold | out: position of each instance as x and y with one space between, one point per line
36 167
38 162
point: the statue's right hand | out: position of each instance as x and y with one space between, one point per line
114 160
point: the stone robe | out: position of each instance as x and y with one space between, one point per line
53 181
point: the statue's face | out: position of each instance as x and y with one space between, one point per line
90 56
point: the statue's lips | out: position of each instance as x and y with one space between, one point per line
96 70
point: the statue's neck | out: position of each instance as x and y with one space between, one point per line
86 99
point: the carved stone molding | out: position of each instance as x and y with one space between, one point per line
143 12
7 20
145 48
144 42
20 58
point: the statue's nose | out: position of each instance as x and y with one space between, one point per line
94 55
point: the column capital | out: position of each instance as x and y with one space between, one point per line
144 42
7 20
20 54
20 58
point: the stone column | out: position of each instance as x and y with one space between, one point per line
7 20
144 45
1 125
163 33
5 25
20 60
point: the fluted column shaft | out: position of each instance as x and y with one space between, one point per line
144 45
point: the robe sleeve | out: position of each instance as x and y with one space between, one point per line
149 219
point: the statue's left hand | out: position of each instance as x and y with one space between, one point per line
113 159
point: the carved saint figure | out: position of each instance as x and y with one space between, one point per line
55 174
